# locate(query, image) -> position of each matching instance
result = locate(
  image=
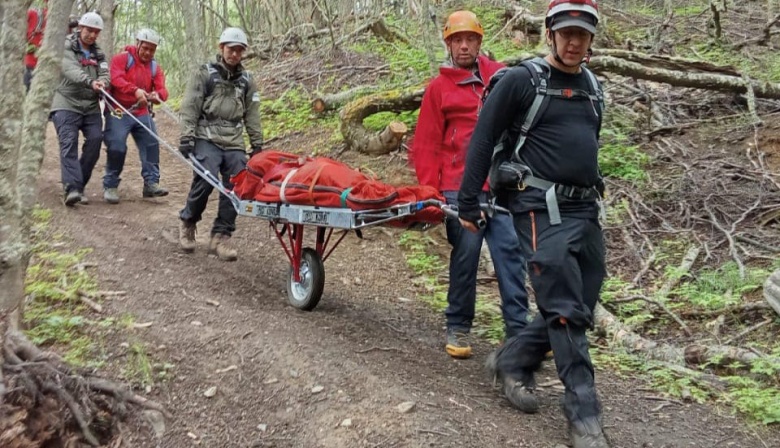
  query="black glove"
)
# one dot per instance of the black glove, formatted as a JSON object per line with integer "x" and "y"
{"x": 186, "y": 145}
{"x": 255, "y": 150}
{"x": 469, "y": 211}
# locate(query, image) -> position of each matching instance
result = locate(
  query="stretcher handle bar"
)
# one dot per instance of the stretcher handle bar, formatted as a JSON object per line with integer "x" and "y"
{"x": 489, "y": 209}
{"x": 192, "y": 162}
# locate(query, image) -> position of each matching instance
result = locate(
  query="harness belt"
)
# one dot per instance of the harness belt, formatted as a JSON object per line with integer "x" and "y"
{"x": 553, "y": 190}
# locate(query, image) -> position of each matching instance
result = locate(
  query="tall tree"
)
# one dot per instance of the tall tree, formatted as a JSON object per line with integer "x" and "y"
{"x": 22, "y": 134}
{"x": 106, "y": 10}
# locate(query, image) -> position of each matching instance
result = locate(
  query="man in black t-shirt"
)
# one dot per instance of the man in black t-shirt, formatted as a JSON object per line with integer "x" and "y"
{"x": 555, "y": 214}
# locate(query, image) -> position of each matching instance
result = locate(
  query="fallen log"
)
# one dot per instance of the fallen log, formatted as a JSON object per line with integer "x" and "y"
{"x": 695, "y": 74}
{"x": 334, "y": 101}
{"x": 359, "y": 138}
{"x": 693, "y": 354}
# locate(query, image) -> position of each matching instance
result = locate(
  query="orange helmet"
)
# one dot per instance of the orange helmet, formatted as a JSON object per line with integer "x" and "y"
{"x": 460, "y": 21}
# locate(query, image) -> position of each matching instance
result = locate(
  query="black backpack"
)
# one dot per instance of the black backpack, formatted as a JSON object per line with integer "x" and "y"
{"x": 540, "y": 77}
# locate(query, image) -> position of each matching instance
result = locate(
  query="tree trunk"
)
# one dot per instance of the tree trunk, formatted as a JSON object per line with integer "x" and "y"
{"x": 20, "y": 158}
{"x": 106, "y": 11}
{"x": 12, "y": 248}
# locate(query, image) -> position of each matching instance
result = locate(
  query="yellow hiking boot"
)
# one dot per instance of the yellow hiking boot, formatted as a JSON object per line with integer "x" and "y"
{"x": 458, "y": 344}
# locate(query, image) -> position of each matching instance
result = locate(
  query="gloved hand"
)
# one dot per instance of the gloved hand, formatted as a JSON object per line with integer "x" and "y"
{"x": 186, "y": 146}
{"x": 469, "y": 211}
{"x": 255, "y": 150}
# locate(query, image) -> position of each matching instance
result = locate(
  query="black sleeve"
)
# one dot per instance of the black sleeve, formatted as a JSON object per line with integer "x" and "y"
{"x": 505, "y": 104}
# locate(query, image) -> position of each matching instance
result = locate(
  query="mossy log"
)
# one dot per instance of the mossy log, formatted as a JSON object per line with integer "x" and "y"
{"x": 359, "y": 138}
{"x": 693, "y": 354}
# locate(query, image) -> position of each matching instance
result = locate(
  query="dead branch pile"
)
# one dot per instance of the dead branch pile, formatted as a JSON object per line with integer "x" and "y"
{"x": 47, "y": 402}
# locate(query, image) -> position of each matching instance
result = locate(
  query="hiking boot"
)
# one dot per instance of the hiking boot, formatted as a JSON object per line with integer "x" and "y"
{"x": 71, "y": 198}
{"x": 187, "y": 236}
{"x": 111, "y": 195}
{"x": 588, "y": 434}
{"x": 458, "y": 344}
{"x": 220, "y": 246}
{"x": 83, "y": 200}
{"x": 519, "y": 393}
{"x": 154, "y": 191}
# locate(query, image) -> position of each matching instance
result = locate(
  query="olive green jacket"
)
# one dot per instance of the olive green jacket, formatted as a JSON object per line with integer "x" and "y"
{"x": 218, "y": 104}
{"x": 79, "y": 70}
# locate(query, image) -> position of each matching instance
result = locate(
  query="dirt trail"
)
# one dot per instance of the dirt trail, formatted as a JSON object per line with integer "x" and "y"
{"x": 368, "y": 349}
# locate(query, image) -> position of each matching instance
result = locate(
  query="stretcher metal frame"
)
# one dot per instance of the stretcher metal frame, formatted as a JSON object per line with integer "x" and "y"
{"x": 307, "y": 272}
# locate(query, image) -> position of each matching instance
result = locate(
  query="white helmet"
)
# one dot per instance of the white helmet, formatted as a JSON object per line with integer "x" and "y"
{"x": 91, "y": 20}
{"x": 148, "y": 35}
{"x": 233, "y": 36}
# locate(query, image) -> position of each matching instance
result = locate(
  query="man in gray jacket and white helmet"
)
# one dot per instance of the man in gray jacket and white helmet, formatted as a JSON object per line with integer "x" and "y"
{"x": 76, "y": 106}
{"x": 220, "y": 101}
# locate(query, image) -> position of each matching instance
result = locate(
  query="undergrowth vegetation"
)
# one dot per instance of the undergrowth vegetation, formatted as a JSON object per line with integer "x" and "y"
{"x": 56, "y": 315}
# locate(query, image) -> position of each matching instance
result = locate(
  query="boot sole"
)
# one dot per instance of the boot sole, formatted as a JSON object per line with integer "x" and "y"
{"x": 155, "y": 195}
{"x": 187, "y": 250}
{"x": 458, "y": 352}
{"x": 527, "y": 405}
{"x": 71, "y": 202}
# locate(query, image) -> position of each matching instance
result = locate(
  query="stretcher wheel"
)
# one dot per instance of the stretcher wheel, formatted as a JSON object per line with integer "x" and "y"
{"x": 306, "y": 294}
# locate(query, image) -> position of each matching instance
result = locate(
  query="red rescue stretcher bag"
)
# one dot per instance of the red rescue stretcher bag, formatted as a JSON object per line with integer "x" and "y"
{"x": 274, "y": 176}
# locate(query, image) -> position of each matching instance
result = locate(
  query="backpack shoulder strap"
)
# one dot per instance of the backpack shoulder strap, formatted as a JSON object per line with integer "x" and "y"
{"x": 212, "y": 80}
{"x": 596, "y": 95}
{"x": 540, "y": 74}
{"x": 131, "y": 62}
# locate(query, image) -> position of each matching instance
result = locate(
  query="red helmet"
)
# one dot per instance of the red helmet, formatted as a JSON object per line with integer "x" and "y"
{"x": 582, "y": 13}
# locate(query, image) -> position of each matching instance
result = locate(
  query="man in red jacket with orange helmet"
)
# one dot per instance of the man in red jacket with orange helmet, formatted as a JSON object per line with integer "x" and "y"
{"x": 447, "y": 118}
{"x": 137, "y": 82}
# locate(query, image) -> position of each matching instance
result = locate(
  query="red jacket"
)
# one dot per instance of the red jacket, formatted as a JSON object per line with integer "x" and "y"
{"x": 36, "y": 23}
{"x": 447, "y": 118}
{"x": 124, "y": 81}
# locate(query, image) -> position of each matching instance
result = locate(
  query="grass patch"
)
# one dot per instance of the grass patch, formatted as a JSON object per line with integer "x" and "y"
{"x": 55, "y": 317}
{"x": 53, "y": 314}
{"x": 139, "y": 366}
{"x": 488, "y": 320}
{"x": 719, "y": 288}
{"x": 618, "y": 156}
{"x": 408, "y": 65}
{"x": 291, "y": 112}
{"x": 757, "y": 400}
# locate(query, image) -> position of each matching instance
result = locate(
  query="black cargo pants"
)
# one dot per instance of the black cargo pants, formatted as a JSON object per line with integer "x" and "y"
{"x": 217, "y": 161}
{"x": 566, "y": 266}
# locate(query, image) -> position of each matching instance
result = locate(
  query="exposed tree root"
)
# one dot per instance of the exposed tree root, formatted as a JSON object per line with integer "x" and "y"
{"x": 46, "y": 401}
